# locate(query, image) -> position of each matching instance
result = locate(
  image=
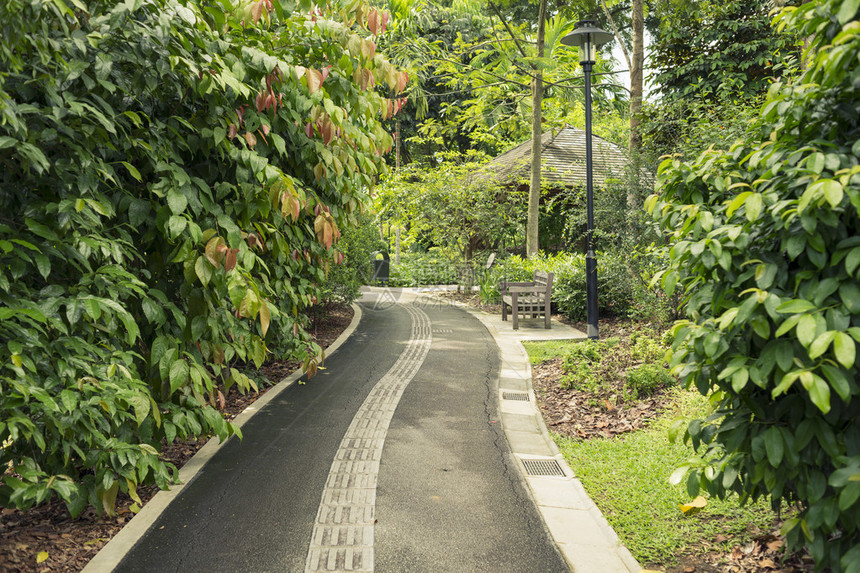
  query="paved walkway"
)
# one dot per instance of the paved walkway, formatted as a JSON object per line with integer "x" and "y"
{"x": 419, "y": 448}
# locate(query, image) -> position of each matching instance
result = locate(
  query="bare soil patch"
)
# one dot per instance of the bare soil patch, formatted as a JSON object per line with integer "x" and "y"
{"x": 25, "y": 537}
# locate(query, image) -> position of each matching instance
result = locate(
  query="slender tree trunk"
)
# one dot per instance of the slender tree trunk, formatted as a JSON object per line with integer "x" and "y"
{"x": 636, "y": 65}
{"x": 537, "y": 99}
{"x": 397, "y": 167}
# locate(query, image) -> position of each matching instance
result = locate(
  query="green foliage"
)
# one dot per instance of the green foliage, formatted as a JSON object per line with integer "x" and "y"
{"x": 645, "y": 379}
{"x": 449, "y": 206}
{"x": 706, "y": 47}
{"x": 765, "y": 245}
{"x": 628, "y": 479}
{"x": 174, "y": 179}
{"x": 345, "y": 278}
{"x": 422, "y": 269}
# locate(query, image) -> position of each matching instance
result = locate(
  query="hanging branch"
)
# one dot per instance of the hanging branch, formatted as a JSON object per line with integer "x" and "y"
{"x": 617, "y": 34}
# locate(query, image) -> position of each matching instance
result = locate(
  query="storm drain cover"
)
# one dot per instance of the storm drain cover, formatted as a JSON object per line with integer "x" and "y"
{"x": 544, "y": 467}
{"x": 515, "y": 396}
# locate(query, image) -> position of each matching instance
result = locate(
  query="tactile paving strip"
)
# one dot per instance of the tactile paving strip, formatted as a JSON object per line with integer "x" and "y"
{"x": 342, "y": 538}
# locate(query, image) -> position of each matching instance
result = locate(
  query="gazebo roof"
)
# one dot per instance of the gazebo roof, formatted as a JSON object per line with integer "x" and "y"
{"x": 562, "y": 158}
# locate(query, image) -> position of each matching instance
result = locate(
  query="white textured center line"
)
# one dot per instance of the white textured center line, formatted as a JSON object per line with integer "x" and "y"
{"x": 342, "y": 538}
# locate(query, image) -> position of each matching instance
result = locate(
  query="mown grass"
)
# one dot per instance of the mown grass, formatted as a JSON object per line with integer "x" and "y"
{"x": 628, "y": 479}
{"x": 543, "y": 350}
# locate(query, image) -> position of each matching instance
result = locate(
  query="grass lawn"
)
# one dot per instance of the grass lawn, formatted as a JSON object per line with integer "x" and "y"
{"x": 628, "y": 479}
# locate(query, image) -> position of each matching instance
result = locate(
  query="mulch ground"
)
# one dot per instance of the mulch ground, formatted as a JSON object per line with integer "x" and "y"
{"x": 47, "y": 533}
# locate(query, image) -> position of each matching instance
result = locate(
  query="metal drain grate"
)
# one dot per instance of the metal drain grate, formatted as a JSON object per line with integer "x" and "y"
{"x": 515, "y": 396}
{"x": 545, "y": 467}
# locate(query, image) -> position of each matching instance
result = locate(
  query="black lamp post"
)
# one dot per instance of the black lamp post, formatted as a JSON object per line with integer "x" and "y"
{"x": 587, "y": 38}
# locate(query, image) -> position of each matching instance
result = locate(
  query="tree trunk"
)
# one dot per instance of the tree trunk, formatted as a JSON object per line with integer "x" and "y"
{"x": 636, "y": 88}
{"x": 636, "y": 65}
{"x": 397, "y": 167}
{"x": 537, "y": 99}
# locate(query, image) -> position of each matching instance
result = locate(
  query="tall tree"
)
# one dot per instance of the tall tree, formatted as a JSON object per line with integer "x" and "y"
{"x": 537, "y": 131}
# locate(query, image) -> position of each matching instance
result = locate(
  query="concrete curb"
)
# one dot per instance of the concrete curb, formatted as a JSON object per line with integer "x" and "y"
{"x": 116, "y": 549}
{"x": 581, "y": 532}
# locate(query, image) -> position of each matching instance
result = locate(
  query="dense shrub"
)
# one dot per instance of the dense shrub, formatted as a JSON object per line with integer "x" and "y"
{"x": 766, "y": 248}
{"x": 174, "y": 177}
{"x": 343, "y": 281}
{"x": 422, "y": 269}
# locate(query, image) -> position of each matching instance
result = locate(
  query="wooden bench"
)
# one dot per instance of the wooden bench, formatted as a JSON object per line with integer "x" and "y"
{"x": 531, "y": 299}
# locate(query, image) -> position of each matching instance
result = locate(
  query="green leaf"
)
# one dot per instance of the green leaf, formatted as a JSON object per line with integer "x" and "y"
{"x": 7, "y": 142}
{"x": 773, "y": 446}
{"x": 141, "y": 408}
{"x": 177, "y": 202}
{"x": 847, "y": 11}
{"x": 838, "y": 381}
{"x": 175, "y": 225}
{"x": 138, "y": 211}
{"x": 132, "y": 170}
{"x": 819, "y": 393}
{"x": 43, "y": 264}
{"x": 204, "y": 270}
{"x": 109, "y": 499}
{"x": 821, "y": 343}
{"x": 179, "y": 373}
{"x": 795, "y": 306}
{"x": 844, "y": 349}
{"x": 806, "y": 328}
{"x": 753, "y": 206}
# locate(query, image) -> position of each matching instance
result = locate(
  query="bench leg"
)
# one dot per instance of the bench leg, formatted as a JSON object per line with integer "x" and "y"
{"x": 515, "y": 310}
{"x": 504, "y": 310}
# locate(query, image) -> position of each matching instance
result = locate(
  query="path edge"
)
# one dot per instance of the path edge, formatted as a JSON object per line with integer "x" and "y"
{"x": 120, "y": 544}
{"x": 580, "y": 557}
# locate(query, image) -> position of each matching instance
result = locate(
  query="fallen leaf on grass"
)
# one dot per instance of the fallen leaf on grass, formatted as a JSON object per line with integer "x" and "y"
{"x": 694, "y": 506}
{"x": 775, "y": 545}
{"x": 720, "y": 538}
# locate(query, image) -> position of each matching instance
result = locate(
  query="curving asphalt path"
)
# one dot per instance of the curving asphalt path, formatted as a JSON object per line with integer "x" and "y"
{"x": 392, "y": 459}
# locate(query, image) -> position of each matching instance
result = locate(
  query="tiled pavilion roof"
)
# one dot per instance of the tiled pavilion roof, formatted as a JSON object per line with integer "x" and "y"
{"x": 563, "y": 159}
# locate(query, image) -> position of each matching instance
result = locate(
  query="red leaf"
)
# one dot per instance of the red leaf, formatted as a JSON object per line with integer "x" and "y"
{"x": 257, "y": 11}
{"x": 385, "y": 17}
{"x": 222, "y": 401}
{"x": 260, "y": 101}
{"x": 251, "y": 139}
{"x": 324, "y": 73}
{"x": 230, "y": 260}
{"x": 373, "y": 21}
{"x": 309, "y": 129}
{"x": 327, "y": 131}
{"x": 232, "y": 130}
{"x": 314, "y": 80}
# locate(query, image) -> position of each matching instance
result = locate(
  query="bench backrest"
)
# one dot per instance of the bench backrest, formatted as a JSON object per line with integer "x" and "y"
{"x": 543, "y": 279}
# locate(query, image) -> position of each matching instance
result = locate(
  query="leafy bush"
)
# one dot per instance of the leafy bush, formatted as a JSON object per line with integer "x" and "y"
{"x": 766, "y": 248}
{"x": 173, "y": 185}
{"x": 422, "y": 269}
{"x": 356, "y": 244}
{"x": 645, "y": 379}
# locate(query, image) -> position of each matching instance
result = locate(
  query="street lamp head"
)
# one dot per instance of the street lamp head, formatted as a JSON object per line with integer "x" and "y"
{"x": 588, "y": 38}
